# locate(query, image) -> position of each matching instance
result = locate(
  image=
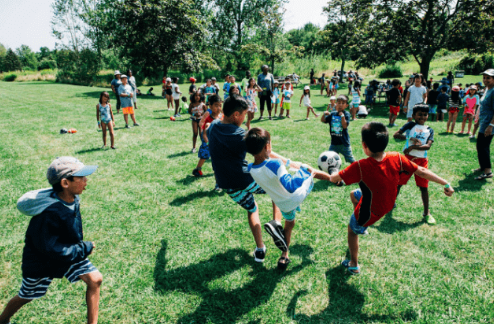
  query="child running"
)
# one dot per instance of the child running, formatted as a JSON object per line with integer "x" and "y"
{"x": 418, "y": 142}
{"x": 306, "y": 98}
{"x": 287, "y": 191}
{"x": 454, "y": 108}
{"x": 196, "y": 110}
{"x": 471, "y": 101}
{"x": 103, "y": 111}
{"x": 251, "y": 95}
{"x": 378, "y": 177}
{"x": 54, "y": 246}
{"x": 339, "y": 121}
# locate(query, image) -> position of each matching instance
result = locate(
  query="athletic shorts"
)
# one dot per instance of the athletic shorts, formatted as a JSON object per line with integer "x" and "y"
{"x": 354, "y": 225}
{"x": 34, "y": 288}
{"x": 290, "y": 216}
{"x": 432, "y": 109}
{"x": 287, "y": 105}
{"x": 128, "y": 110}
{"x": 453, "y": 110}
{"x": 355, "y": 104}
{"x": 245, "y": 197}
{"x": 419, "y": 181}
{"x": 395, "y": 110}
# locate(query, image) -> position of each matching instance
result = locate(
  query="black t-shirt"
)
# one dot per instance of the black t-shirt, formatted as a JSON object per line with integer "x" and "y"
{"x": 393, "y": 95}
{"x": 192, "y": 88}
{"x": 339, "y": 135}
{"x": 432, "y": 97}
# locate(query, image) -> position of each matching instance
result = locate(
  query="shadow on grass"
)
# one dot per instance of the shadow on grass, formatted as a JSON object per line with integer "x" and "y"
{"x": 96, "y": 94}
{"x": 470, "y": 184}
{"x": 89, "y": 150}
{"x": 389, "y": 225}
{"x": 184, "y": 153}
{"x": 321, "y": 185}
{"x": 217, "y": 304}
{"x": 345, "y": 304}
{"x": 190, "y": 179}
{"x": 196, "y": 195}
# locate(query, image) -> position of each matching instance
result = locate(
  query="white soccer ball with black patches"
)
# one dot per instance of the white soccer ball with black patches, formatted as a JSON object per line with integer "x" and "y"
{"x": 329, "y": 162}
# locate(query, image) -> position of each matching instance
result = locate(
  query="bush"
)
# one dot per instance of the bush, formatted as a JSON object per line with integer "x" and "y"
{"x": 10, "y": 77}
{"x": 476, "y": 64}
{"x": 390, "y": 71}
{"x": 47, "y": 64}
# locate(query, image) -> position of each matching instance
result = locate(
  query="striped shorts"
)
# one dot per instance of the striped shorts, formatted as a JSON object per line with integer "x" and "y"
{"x": 245, "y": 197}
{"x": 34, "y": 288}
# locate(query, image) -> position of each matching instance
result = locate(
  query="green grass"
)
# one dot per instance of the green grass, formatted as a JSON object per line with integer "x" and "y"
{"x": 172, "y": 250}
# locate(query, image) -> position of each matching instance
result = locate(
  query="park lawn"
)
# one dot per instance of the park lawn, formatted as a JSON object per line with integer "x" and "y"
{"x": 172, "y": 250}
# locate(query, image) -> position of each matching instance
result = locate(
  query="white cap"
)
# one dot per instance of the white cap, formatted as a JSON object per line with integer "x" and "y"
{"x": 168, "y": 79}
{"x": 306, "y": 88}
{"x": 332, "y": 98}
{"x": 123, "y": 76}
{"x": 117, "y": 72}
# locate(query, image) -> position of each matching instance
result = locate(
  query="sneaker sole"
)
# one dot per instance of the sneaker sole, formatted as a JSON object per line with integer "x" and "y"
{"x": 278, "y": 240}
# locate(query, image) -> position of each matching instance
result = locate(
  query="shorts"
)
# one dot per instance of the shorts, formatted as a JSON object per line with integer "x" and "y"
{"x": 354, "y": 225}
{"x": 395, "y": 110}
{"x": 453, "y": 110}
{"x": 346, "y": 151}
{"x": 128, "y": 110}
{"x": 468, "y": 111}
{"x": 369, "y": 99}
{"x": 34, "y": 288}
{"x": 287, "y": 105}
{"x": 106, "y": 121}
{"x": 203, "y": 149}
{"x": 245, "y": 197}
{"x": 419, "y": 181}
{"x": 432, "y": 109}
{"x": 290, "y": 216}
{"x": 355, "y": 104}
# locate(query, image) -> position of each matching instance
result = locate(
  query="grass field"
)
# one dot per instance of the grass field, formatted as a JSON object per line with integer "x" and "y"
{"x": 172, "y": 250}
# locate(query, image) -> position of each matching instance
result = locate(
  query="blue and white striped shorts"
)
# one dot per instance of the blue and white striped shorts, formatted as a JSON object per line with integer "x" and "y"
{"x": 34, "y": 288}
{"x": 245, "y": 197}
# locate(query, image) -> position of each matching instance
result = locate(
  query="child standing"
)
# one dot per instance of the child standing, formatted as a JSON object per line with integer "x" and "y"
{"x": 251, "y": 95}
{"x": 332, "y": 104}
{"x": 394, "y": 102}
{"x": 417, "y": 93}
{"x": 454, "y": 108}
{"x": 115, "y": 84}
{"x": 306, "y": 98}
{"x": 176, "y": 96}
{"x": 54, "y": 246}
{"x": 355, "y": 99}
{"x": 275, "y": 96}
{"x": 287, "y": 191}
{"x": 442, "y": 104}
{"x": 226, "y": 86}
{"x": 378, "y": 177}
{"x": 196, "y": 110}
{"x": 184, "y": 106}
{"x": 369, "y": 95}
{"x": 287, "y": 101}
{"x": 283, "y": 87}
{"x": 418, "y": 142}
{"x": 471, "y": 102}
{"x": 126, "y": 93}
{"x": 338, "y": 128}
{"x": 432, "y": 101}
{"x": 209, "y": 90}
{"x": 103, "y": 111}
{"x": 323, "y": 82}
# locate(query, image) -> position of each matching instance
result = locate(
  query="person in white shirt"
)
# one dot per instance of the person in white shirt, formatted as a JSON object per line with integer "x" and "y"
{"x": 416, "y": 94}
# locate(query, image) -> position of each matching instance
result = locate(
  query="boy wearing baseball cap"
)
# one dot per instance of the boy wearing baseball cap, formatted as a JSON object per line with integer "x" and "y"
{"x": 54, "y": 246}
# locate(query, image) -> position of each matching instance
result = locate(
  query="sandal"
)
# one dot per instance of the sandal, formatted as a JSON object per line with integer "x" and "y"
{"x": 351, "y": 270}
{"x": 484, "y": 176}
{"x": 283, "y": 265}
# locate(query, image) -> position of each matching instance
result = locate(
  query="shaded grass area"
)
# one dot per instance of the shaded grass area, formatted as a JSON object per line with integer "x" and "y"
{"x": 172, "y": 250}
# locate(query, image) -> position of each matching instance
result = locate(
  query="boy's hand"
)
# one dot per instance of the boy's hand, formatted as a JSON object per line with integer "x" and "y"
{"x": 99, "y": 125}
{"x": 449, "y": 191}
{"x": 326, "y": 113}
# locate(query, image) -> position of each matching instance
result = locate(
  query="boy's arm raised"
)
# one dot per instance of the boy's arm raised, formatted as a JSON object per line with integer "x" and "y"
{"x": 431, "y": 176}
{"x": 424, "y": 147}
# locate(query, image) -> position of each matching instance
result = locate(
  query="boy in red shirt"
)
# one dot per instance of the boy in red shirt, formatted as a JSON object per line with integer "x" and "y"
{"x": 378, "y": 177}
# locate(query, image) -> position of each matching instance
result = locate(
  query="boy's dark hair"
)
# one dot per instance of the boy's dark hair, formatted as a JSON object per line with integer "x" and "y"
{"x": 234, "y": 103}
{"x": 101, "y": 97}
{"x": 343, "y": 97}
{"x": 356, "y": 85}
{"x": 395, "y": 82}
{"x": 174, "y": 79}
{"x": 230, "y": 92}
{"x": 214, "y": 99}
{"x": 435, "y": 86}
{"x": 256, "y": 139}
{"x": 443, "y": 89}
{"x": 193, "y": 96}
{"x": 417, "y": 76}
{"x": 184, "y": 99}
{"x": 151, "y": 88}
{"x": 455, "y": 95}
{"x": 375, "y": 135}
{"x": 420, "y": 107}
{"x": 227, "y": 76}
{"x": 57, "y": 187}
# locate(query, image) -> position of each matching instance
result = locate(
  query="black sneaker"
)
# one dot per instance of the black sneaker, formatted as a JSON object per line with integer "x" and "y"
{"x": 127, "y": 126}
{"x": 276, "y": 231}
{"x": 260, "y": 254}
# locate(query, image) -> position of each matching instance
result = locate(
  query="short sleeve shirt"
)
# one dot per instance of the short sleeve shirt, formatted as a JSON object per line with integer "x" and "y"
{"x": 265, "y": 81}
{"x": 442, "y": 100}
{"x": 432, "y": 97}
{"x": 393, "y": 96}
{"x": 378, "y": 182}
{"x": 486, "y": 109}
{"x": 116, "y": 84}
{"x": 125, "y": 101}
{"x": 339, "y": 135}
{"x": 416, "y": 95}
{"x": 421, "y": 132}
{"x": 192, "y": 88}
{"x": 286, "y": 94}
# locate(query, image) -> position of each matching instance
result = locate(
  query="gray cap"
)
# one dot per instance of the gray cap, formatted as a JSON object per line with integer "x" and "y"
{"x": 123, "y": 76}
{"x": 67, "y": 166}
{"x": 489, "y": 72}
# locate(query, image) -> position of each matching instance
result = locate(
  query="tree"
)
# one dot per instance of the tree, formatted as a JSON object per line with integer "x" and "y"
{"x": 27, "y": 57}
{"x": 3, "y": 52}
{"x": 160, "y": 34}
{"x": 11, "y": 61}
{"x": 308, "y": 37}
{"x": 392, "y": 30}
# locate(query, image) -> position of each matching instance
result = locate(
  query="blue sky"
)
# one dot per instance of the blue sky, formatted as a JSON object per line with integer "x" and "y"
{"x": 28, "y": 21}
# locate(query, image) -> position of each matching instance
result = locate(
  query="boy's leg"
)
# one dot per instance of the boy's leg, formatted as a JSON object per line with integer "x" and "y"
{"x": 425, "y": 200}
{"x": 93, "y": 281}
{"x": 289, "y": 225}
{"x": 353, "y": 247}
{"x": 347, "y": 153}
{"x": 12, "y": 307}
{"x": 133, "y": 118}
{"x": 255, "y": 227}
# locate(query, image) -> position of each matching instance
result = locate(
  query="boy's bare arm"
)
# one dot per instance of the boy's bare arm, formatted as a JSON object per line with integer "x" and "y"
{"x": 295, "y": 165}
{"x": 344, "y": 123}
{"x": 323, "y": 117}
{"x": 335, "y": 177}
{"x": 431, "y": 176}
{"x": 424, "y": 147}
{"x": 399, "y": 135}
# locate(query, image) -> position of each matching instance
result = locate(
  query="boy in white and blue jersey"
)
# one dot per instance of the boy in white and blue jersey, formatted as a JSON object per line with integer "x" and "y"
{"x": 286, "y": 190}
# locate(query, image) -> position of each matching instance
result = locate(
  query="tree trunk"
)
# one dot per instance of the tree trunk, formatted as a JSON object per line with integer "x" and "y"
{"x": 424, "y": 67}
{"x": 342, "y": 66}
{"x": 165, "y": 70}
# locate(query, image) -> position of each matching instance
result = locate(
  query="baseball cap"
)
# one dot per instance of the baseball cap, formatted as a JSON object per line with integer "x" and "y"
{"x": 123, "y": 76}
{"x": 168, "y": 79}
{"x": 473, "y": 87}
{"x": 213, "y": 79}
{"x": 455, "y": 88}
{"x": 276, "y": 82}
{"x": 67, "y": 166}
{"x": 117, "y": 72}
{"x": 306, "y": 88}
{"x": 489, "y": 72}
{"x": 192, "y": 79}
{"x": 332, "y": 98}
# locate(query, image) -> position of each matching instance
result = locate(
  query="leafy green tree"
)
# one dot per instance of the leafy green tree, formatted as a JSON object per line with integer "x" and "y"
{"x": 3, "y": 52}
{"x": 27, "y": 57}
{"x": 308, "y": 37}
{"x": 11, "y": 61}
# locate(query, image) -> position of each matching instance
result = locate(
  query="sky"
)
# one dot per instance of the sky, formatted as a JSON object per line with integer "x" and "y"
{"x": 27, "y": 22}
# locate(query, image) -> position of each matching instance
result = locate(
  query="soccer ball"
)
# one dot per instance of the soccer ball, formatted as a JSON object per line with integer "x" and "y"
{"x": 329, "y": 161}
{"x": 172, "y": 118}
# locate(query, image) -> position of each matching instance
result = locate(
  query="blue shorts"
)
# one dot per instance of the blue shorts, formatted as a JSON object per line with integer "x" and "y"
{"x": 245, "y": 197}
{"x": 354, "y": 226}
{"x": 432, "y": 109}
{"x": 355, "y": 104}
{"x": 203, "y": 149}
{"x": 34, "y": 288}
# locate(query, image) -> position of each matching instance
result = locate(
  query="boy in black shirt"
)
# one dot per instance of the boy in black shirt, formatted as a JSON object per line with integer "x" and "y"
{"x": 394, "y": 101}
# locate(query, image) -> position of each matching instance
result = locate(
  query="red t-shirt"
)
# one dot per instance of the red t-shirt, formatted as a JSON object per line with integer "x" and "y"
{"x": 379, "y": 184}
{"x": 209, "y": 119}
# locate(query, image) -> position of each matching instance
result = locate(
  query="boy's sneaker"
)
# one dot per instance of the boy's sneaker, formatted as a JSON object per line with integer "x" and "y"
{"x": 217, "y": 188}
{"x": 197, "y": 173}
{"x": 194, "y": 150}
{"x": 260, "y": 254}
{"x": 127, "y": 126}
{"x": 276, "y": 231}
{"x": 136, "y": 124}
{"x": 429, "y": 219}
